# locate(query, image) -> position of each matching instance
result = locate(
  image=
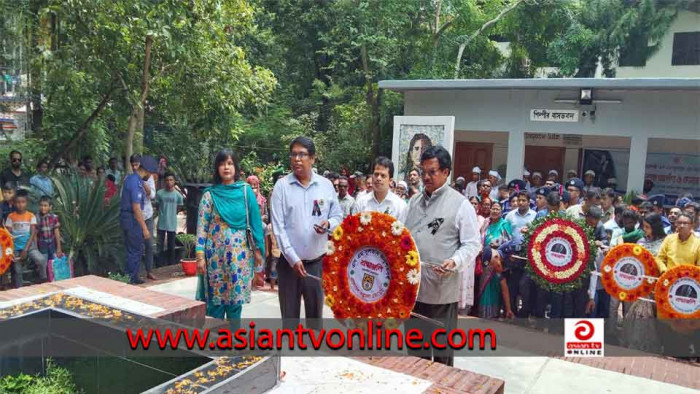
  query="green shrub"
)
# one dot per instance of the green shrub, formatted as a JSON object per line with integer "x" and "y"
{"x": 57, "y": 380}
{"x": 188, "y": 241}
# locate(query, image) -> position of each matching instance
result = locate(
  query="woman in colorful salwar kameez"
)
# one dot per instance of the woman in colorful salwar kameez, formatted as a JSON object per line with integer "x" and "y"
{"x": 225, "y": 261}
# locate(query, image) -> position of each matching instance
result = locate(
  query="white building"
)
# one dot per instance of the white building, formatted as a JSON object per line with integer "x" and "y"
{"x": 645, "y": 127}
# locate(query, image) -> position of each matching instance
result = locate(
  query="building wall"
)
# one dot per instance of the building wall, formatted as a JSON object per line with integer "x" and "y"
{"x": 503, "y": 117}
{"x": 659, "y": 64}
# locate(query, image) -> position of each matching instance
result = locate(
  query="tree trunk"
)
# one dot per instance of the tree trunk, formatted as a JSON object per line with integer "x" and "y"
{"x": 138, "y": 107}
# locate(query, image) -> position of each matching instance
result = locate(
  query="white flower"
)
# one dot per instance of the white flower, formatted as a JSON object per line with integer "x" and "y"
{"x": 330, "y": 248}
{"x": 397, "y": 228}
{"x": 8, "y": 251}
{"x": 607, "y": 268}
{"x": 365, "y": 218}
{"x": 413, "y": 277}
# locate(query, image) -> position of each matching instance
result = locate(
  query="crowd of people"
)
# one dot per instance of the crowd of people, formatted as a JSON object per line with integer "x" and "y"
{"x": 469, "y": 235}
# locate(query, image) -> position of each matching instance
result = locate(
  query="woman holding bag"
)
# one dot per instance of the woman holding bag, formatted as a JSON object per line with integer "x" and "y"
{"x": 230, "y": 242}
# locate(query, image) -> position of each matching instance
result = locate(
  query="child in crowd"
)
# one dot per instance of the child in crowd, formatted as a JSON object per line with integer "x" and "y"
{"x": 169, "y": 202}
{"x": 22, "y": 225}
{"x": 273, "y": 254}
{"x": 49, "y": 233}
{"x": 8, "y": 196}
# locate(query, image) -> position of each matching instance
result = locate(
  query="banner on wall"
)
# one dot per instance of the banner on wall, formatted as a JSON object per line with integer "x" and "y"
{"x": 413, "y": 135}
{"x": 674, "y": 174}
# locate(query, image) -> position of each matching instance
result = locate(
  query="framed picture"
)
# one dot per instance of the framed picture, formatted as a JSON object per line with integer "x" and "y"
{"x": 413, "y": 135}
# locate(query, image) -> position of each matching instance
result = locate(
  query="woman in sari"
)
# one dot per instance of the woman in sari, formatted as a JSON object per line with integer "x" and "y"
{"x": 225, "y": 258}
{"x": 497, "y": 232}
{"x": 639, "y": 326}
{"x": 482, "y": 224}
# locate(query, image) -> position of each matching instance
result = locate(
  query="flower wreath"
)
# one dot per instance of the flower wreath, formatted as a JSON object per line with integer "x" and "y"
{"x": 611, "y": 267}
{"x": 383, "y": 233}
{"x": 668, "y": 284}
{"x": 571, "y": 275}
{"x": 7, "y": 250}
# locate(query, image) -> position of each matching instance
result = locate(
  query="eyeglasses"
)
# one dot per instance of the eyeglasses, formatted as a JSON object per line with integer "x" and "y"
{"x": 298, "y": 155}
{"x": 430, "y": 173}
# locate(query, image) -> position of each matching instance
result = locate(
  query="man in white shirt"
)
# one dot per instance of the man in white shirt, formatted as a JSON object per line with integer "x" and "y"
{"x": 347, "y": 203}
{"x": 471, "y": 190}
{"x": 495, "y": 179}
{"x": 304, "y": 208}
{"x": 381, "y": 199}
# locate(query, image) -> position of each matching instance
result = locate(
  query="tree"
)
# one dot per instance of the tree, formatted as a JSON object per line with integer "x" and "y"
{"x": 602, "y": 30}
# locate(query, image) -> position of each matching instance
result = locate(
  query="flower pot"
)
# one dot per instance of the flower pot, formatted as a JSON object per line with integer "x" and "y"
{"x": 189, "y": 266}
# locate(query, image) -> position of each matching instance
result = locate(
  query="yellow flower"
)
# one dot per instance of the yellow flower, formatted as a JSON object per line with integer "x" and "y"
{"x": 637, "y": 250}
{"x": 622, "y": 296}
{"x": 330, "y": 300}
{"x": 338, "y": 233}
{"x": 412, "y": 258}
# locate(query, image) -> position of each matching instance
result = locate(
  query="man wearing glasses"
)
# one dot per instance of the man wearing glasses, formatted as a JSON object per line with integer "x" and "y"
{"x": 444, "y": 227}
{"x": 681, "y": 247}
{"x": 14, "y": 173}
{"x": 304, "y": 208}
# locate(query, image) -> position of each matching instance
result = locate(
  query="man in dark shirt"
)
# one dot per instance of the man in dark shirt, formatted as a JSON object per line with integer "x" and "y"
{"x": 14, "y": 173}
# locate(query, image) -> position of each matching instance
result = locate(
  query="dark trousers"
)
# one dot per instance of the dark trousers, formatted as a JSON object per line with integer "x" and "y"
{"x": 169, "y": 258}
{"x": 534, "y": 298}
{"x": 148, "y": 246}
{"x": 292, "y": 288}
{"x": 133, "y": 239}
{"x": 513, "y": 282}
{"x": 602, "y": 304}
{"x": 445, "y": 313}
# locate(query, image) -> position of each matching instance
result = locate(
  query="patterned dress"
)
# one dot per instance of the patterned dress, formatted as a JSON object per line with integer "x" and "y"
{"x": 229, "y": 261}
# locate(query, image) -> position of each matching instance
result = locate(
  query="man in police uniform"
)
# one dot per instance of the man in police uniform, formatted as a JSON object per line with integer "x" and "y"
{"x": 131, "y": 218}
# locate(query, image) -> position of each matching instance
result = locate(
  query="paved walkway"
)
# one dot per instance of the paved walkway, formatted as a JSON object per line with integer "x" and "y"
{"x": 522, "y": 374}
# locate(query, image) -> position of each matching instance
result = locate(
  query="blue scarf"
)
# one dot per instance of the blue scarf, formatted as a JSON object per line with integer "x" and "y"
{"x": 229, "y": 203}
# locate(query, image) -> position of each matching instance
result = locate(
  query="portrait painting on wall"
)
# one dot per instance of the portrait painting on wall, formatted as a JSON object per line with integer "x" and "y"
{"x": 413, "y": 135}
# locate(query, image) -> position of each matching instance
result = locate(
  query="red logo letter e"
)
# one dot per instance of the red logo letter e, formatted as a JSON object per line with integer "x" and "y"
{"x": 585, "y": 331}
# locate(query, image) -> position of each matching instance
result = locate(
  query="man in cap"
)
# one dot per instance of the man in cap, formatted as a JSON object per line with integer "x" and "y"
{"x": 541, "y": 199}
{"x": 131, "y": 217}
{"x": 460, "y": 184}
{"x": 495, "y": 179}
{"x": 536, "y": 180}
{"x": 471, "y": 190}
{"x": 571, "y": 174}
{"x": 588, "y": 178}
{"x": 444, "y": 226}
{"x": 612, "y": 183}
{"x": 575, "y": 188}
{"x": 657, "y": 204}
{"x": 553, "y": 175}
{"x": 648, "y": 186}
{"x": 553, "y": 200}
{"x": 526, "y": 178}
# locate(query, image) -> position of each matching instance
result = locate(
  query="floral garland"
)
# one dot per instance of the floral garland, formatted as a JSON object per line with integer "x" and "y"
{"x": 609, "y": 269}
{"x": 6, "y": 250}
{"x": 665, "y": 286}
{"x": 387, "y": 235}
{"x": 578, "y": 234}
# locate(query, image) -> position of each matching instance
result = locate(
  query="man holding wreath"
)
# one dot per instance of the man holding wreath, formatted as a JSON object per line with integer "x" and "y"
{"x": 444, "y": 227}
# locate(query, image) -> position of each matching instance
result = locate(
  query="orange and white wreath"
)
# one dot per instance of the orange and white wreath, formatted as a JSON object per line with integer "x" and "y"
{"x": 627, "y": 270}
{"x": 7, "y": 250}
{"x": 371, "y": 268}
{"x": 678, "y": 293}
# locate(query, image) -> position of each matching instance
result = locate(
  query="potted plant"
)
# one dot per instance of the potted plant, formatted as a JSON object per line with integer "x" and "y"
{"x": 189, "y": 263}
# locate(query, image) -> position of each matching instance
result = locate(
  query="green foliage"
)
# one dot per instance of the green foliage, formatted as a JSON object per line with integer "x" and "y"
{"x": 119, "y": 277}
{"x": 590, "y": 264}
{"x": 89, "y": 226}
{"x": 188, "y": 241}
{"x": 57, "y": 380}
